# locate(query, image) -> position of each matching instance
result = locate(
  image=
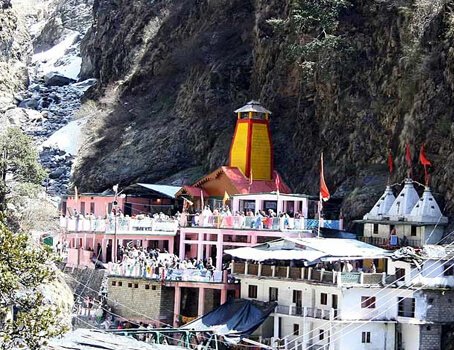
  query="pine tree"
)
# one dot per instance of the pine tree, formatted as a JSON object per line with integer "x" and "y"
{"x": 18, "y": 162}
{"x": 27, "y": 318}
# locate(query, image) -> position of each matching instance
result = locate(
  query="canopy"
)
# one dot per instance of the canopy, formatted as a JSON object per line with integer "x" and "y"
{"x": 236, "y": 319}
{"x": 249, "y": 253}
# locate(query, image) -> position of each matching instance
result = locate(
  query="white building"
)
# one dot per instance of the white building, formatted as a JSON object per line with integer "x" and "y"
{"x": 321, "y": 308}
{"x": 404, "y": 220}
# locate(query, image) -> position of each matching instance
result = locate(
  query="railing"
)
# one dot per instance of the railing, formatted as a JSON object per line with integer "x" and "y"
{"x": 165, "y": 274}
{"x": 310, "y": 274}
{"x": 304, "y": 311}
{"x": 121, "y": 225}
{"x": 255, "y": 222}
{"x": 388, "y": 243}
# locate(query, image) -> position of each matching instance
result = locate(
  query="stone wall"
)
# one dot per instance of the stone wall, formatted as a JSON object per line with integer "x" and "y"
{"x": 440, "y": 306}
{"x": 140, "y": 299}
{"x": 430, "y": 337}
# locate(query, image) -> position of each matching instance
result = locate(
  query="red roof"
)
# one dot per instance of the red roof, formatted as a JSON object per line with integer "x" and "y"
{"x": 193, "y": 191}
{"x": 241, "y": 182}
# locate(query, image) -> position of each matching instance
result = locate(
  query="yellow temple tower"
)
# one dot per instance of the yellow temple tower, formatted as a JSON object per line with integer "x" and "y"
{"x": 251, "y": 149}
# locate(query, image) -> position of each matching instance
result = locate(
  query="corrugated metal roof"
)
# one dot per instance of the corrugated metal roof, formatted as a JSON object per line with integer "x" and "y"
{"x": 167, "y": 190}
{"x": 88, "y": 339}
{"x": 253, "y": 106}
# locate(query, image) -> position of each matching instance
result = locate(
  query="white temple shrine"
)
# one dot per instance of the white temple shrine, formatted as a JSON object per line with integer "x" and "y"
{"x": 404, "y": 220}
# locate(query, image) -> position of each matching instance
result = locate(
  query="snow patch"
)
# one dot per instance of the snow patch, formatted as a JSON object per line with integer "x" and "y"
{"x": 62, "y": 58}
{"x": 69, "y": 138}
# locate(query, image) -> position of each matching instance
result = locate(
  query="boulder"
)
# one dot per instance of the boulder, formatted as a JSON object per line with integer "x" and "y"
{"x": 56, "y": 79}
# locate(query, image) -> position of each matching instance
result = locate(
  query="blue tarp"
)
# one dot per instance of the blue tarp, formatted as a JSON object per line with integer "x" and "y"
{"x": 234, "y": 320}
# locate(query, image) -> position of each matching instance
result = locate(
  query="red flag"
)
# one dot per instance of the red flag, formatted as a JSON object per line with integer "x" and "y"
{"x": 324, "y": 192}
{"x": 390, "y": 162}
{"x": 425, "y": 162}
{"x": 408, "y": 155}
{"x": 423, "y": 159}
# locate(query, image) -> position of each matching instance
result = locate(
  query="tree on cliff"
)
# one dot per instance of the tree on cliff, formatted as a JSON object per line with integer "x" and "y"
{"x": 27, "y": 317}
{"x": 18, "y": 163}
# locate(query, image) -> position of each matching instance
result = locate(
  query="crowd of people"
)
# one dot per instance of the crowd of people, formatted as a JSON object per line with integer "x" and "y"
{"x": 156, "y": 264}
{"x": 222, "y": 216}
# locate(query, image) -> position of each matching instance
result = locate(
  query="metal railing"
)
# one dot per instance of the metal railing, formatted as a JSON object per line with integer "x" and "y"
{"x": 166, "y": 274}
{"x": 123, "y": 225}
{"x": 304, "y": 311}
{"x": 255, "y": 222}
{"x": 391, "y": 243}
{"x": 310, "y": 274}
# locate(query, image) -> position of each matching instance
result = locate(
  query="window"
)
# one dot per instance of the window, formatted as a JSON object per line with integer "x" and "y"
{"x": 136, "y": 285}
{"x": 296, "y": 329}
{"x": 368, "y": 302}
{"x": 82, "y": 208}
{"x": 153, "y": 287}
{"x": 413, "y": 231}
{"x": 129, "y": 285}
{"x": 114, "y": 283}
{"x": 92, "y": 207}
{"x": 120, "y": 284}
{"x": 365, "y": 337}
{"x": 323, "y": 298}
{"x": 448, "y": 270}
{"x": 273, "y": 294}
{"x": 147, "y": 286}
{"x": 400, "y": 273}
{"x": 321, "y": 334}
{"x": 375, "y": 229}
{"x": 406, "y": 307}
{"x": 252, "y": 292}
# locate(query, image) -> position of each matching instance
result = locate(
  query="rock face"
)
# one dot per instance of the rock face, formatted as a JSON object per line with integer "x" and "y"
{"x": 15, "y": 51}
{"x": 175, "y": 70}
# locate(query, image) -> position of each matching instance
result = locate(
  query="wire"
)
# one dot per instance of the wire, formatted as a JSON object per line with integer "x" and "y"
{"x": 368, "y": 321}
{"x": 368, "y": 299}
{"x": 374, "y": 295}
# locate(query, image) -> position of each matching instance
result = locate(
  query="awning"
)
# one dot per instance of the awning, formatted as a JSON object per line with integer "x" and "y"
{"x": 166, "y": 190}
{"x": 234, "y": 320}
{"x": 249, "y": 253}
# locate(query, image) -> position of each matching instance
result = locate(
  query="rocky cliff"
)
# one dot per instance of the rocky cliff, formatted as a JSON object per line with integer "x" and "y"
{"x": 172, "y": 72}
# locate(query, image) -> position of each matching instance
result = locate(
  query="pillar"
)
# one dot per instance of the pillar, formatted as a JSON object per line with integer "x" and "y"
{"x": 201, "y": 309}
{"x": 207, "y": 251}
{"x": 171, "y": 245}
{"x": 104, "y": 249}
{"x": 223, "y": 296}
{"x": 177, "y": 306}
{"x": 219, "y": 251}
{"x": 181, "y": 251}
{"x": 276, "y": 326}
{"x": 200, "y": 246}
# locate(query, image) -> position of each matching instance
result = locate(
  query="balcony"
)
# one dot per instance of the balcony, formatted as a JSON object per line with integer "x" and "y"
{"x": 385, "y": 243}
{"x": 308, "y": 274}
{"x": 256, "y": 223}
{"x": 304, "y": 311}
{"x": 167, "y": 274}
{"x": 120, "y": 225}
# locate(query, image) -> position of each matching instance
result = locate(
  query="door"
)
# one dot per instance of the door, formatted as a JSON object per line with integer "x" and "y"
{"x": 298, "y": 301}
{"x": 334, "y": 303}
{"x": 128, "y": 209}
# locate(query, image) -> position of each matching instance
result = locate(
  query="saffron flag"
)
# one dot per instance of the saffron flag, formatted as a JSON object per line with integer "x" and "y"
{"x": 226, "y": 197}
{"x": 422, "y": 157}
{"x": 324, "y": 192}
{"x": 408, "y": 155}
{"x": 390, "y": 162}
{"x": 426, "y": 163}
{"x": 277, "y": 181}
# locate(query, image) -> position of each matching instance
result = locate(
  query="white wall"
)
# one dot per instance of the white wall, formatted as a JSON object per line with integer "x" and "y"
{"x": 410, "y": 336}
{"x": 349, "y": 336}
